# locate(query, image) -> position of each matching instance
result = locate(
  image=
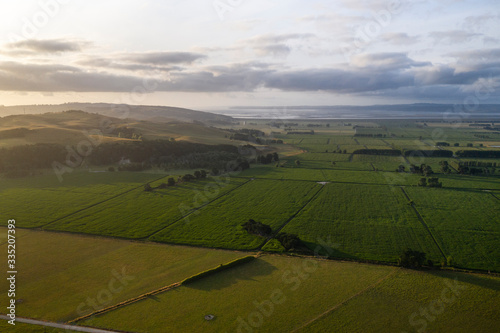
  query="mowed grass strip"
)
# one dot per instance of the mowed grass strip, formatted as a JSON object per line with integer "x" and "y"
{"x": 452, "y": 302}
{"x": 218, "y": 224}
{"x": 63, "y": 276}
{"x": 139, "y": 213}
{"x": 364, "y": 222}
{"x": 297, "y": 289}
{"x": 36, "y": 201}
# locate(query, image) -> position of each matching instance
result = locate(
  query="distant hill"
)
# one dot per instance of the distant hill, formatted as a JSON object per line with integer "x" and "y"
{"x": 123, "y": 111}
{"x": 73, "y": 126}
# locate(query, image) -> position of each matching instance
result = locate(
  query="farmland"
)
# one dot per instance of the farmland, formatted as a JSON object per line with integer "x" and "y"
{"x": 311, "y": 296}
{"x": 50, "y": 261}
{"x": 354, "y": 207}
{"x": 358, "y": 229}
{"x": 218, "y": 224}
{"x": 142, "y": 213}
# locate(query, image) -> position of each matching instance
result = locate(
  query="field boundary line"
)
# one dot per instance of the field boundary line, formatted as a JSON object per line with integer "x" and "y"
{"x": 143, "y": 296}
{"x": 359, "y": 293}
{"x": 424, "y": 224}
{"x": 198, "y": 208}
{"x": 98, "y": 203}
{"x": 39, "y": 322}
{"x": 127, "y": 302}
{"x": 291, "y": 218}
{"x": 494, "y": 196}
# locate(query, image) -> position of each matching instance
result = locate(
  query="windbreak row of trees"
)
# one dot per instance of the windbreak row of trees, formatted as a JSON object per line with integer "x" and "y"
{"x": 139, "y": 155}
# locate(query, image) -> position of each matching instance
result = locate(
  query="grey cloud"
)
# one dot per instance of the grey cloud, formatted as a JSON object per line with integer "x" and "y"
{"x": 385, "y": 61}
{"x": 372, "y": 74}
{"x": 477, "y": 22}
{"x": 111, "y": 64}
{"x": 453, "y": 36}
{"x": 162, "y": 58}
{"x": 276, "y": 44}
{"x": 400, "y": 38}
{"x": 46, "y": 46}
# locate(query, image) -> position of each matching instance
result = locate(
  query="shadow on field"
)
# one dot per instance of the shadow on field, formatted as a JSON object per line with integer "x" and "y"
{"x": 220, "y": 280}
{"x": 484, "y": 282}
{"x": 327, "y": 250}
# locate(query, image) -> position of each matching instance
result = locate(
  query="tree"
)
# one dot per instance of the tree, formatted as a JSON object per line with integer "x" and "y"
{"x": 215, "y": 171}
{"x": 401, "y": 168}
{"x": 162, "y": 185}
{"x": 257, "y": 228}
{"x": 171, "y": 181}
{"x": 111, "y": 169}
{"x": 426, "y": 170}
{"x": 434, "y": 182}
{"x": 276, "y": 157}
{"x": 445, "y": 168}
{"x": 203, "y": 174}
{"x": 297, "y": 162}
{"x": 187, "y": 177}
{"x": 148, "y": 188}
{"x": 197, "y": 174}
{"x": 289, "y": 241}
{"x": 422, "y": 182}
{"x": 412, "y": 259}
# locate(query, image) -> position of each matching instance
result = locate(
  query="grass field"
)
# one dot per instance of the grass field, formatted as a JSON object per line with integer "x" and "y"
{"x": 283, "y": 294}
{"x": 59, "y": 272}
{"x": 138, "y": 214}
{"x": 36, "y": 201}
{"x": 466, "y": 223}
{"x": 219, "y": 224}
{"x": 365, "y": 221}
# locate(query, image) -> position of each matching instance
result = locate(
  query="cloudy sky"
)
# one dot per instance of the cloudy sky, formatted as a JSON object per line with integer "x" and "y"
{"x": 218, "y": 53}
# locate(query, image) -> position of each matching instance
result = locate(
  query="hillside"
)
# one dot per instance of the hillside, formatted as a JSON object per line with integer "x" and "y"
{"x": 123, "y": 111}
{"x": 70, "y": 127}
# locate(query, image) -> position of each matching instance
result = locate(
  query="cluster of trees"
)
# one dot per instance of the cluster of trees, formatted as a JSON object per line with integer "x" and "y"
{"x": 428, "y": 153}
{"x": 412, "y": 259}
{"x": 478, "y": 153}
{"x": 199, "y": 174}
{"x": 127, "y": 132}
{"x": 442, "y": 144}
{"x": 301, "y": 132}
{"x": 269, "y": 158}
{"x": 465, "y": 170}
{"x": 383, "y": 152}
{"x": 289, "y": 241}
{"x": 257, "y": 228}
{"x": 141, "y": 154}
{"x": 379, "y": 135}
{"x": 477, "y": 164}
{"x": 423, "y": 169}
{"x": 445, "y": 167}
{"x": 430, "y": 182}
{"x": 24, "y": 159}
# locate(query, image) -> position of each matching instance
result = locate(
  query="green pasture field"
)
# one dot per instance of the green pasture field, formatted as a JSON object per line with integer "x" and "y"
{"x": 283, "y": 294}
{"x": 219, "y": 224}
{"x": 138, "y": 214}
{"x": 38, "y": 200}
{"x": 231, "y": 296}
{"x": 385, "y": 163}
{"x": 58, "y": 272}
{"x": 454, "y": 302}
{"x": 465, "y": 223}
{"x": 364, "y": 221}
